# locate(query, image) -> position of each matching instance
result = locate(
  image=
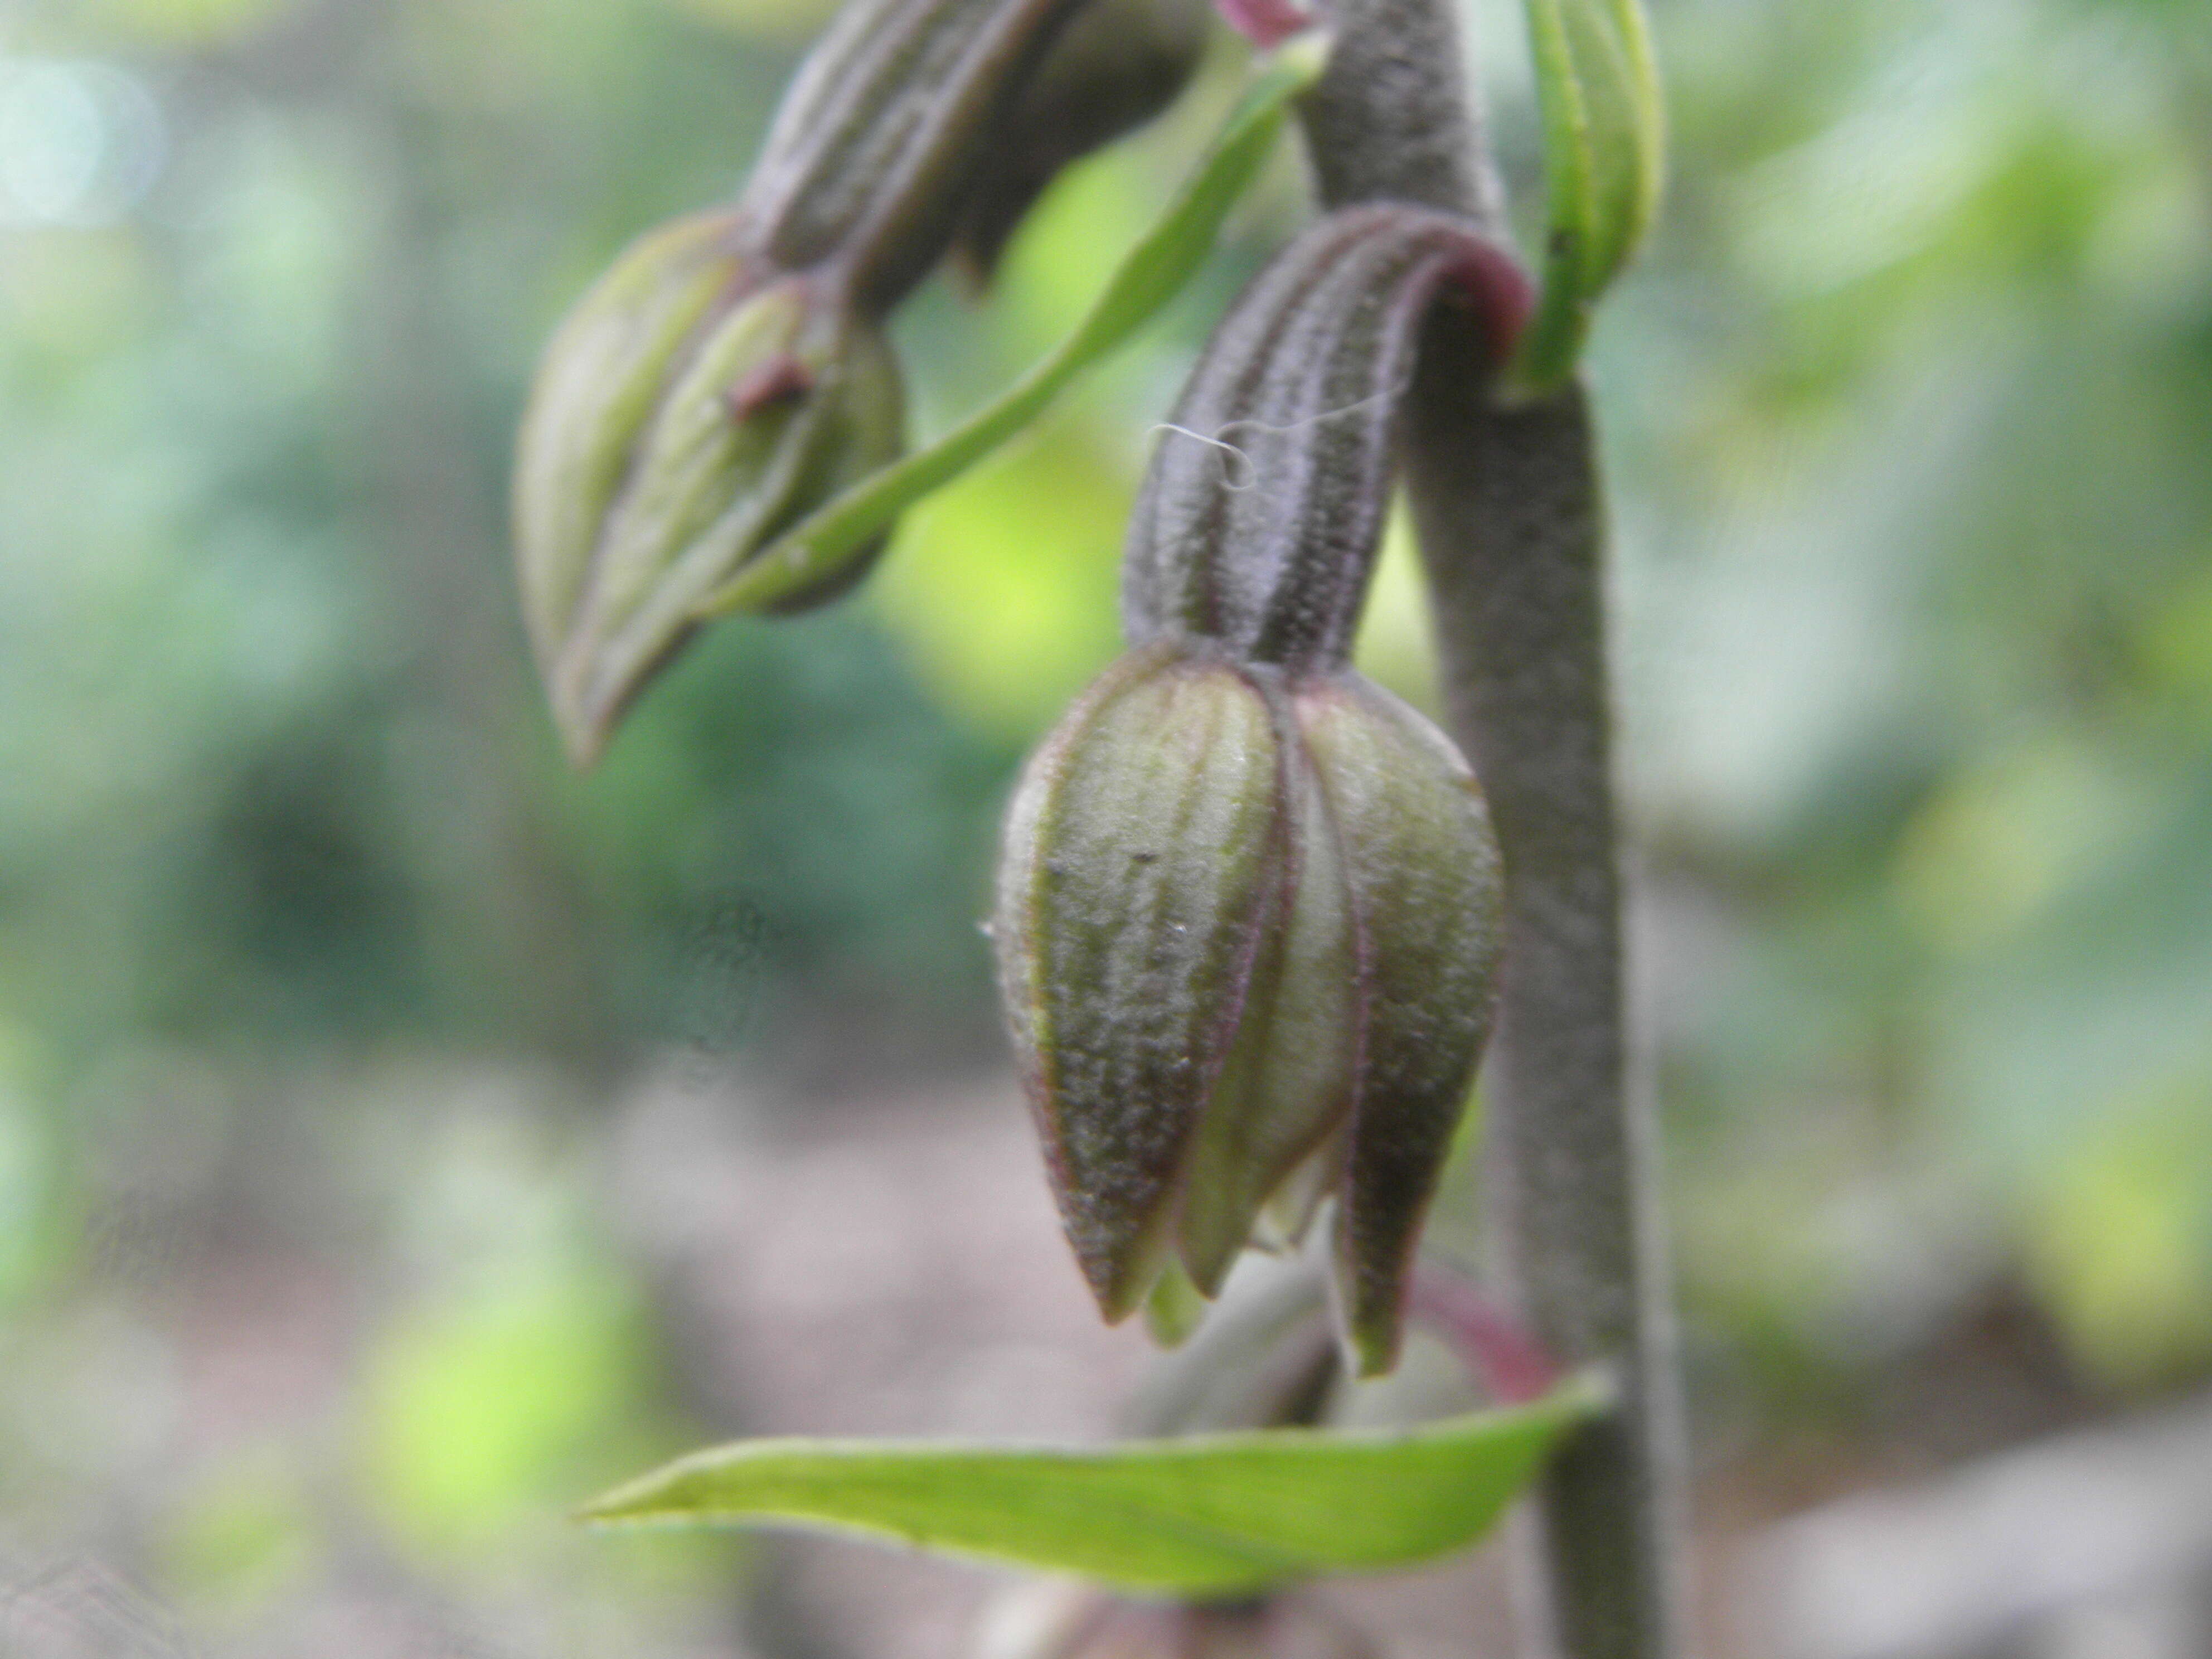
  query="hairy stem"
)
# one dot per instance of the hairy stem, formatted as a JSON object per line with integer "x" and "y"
{"x": 1512, "y": 532}
{"x": 1391, "y": 119}
{"x": 1511, "y": 529}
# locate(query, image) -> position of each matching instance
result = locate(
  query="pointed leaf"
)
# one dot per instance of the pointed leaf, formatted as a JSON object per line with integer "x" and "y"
{"x": 1207, "y": 1515}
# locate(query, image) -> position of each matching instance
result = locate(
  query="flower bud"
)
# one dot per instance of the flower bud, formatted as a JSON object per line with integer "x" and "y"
{"x": 1117, "y": 64}
{"x": 730, "y": 375}
{"x": 1248, "y": 925}
{"x": 1251, "y": 907}
{"x": 695, "y": 404}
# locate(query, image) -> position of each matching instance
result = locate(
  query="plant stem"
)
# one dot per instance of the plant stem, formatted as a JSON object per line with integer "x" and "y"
{"x": 1512, "y": 532}
{"x": 1511, "y": 526}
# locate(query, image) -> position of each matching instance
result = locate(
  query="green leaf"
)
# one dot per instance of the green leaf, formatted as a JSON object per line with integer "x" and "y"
{"x": 1153, "y": 273}
{"x": 1604, "y": 144}
{"x": 1207, "y": 1516}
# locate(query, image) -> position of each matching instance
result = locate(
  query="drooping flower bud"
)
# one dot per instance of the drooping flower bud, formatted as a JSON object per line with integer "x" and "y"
{"x": 1249, "y": 907}
{"x": 696, "y": 403}
{"x": 1117, "y": 64}
{"x": 1247, "y": 924}
{"x": 730, "y": 375}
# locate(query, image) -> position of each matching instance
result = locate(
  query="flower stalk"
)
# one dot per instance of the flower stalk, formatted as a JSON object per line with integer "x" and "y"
{"x": 730, "y": 376}
{"x": 1507, "y": 507}
{"x": 873, "y": 154}
{"x": 1252, "y": 910}
{"x": 1247, "y": 908}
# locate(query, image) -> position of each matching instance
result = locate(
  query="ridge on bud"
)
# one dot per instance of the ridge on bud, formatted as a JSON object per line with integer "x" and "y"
{"x": 1248, "y": 924}
{"x": 730, "y": 375}
{"x": 697, "y": 402}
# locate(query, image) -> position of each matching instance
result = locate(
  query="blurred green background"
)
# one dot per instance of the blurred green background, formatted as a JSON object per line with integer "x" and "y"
{"x": 321, "y": 979}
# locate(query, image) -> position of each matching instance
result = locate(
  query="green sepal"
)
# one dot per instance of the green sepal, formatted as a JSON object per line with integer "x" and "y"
{"x": 1143, "y": 858}
{"x": 1425, "y": 888}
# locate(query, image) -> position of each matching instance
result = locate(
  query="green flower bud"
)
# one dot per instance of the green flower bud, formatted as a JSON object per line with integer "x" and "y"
{"x": 695, "y": 405}
{"x": 1247, "y": 925}
{"x": 1250, "y": 907}
{"x": 729, "y": 375}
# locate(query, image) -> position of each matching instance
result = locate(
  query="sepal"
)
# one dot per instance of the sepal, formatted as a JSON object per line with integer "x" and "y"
{"x": 693, "y": 406}
{"x": 1248, "y": 930}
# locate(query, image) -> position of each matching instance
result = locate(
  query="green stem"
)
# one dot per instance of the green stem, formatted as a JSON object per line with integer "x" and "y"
{"x": 1511, "y": 529}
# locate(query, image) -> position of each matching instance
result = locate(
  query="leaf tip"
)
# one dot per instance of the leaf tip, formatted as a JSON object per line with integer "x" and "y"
{"x": 1305, "y": 56}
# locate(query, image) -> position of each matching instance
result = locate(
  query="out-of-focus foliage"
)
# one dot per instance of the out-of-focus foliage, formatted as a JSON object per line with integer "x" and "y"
{"x": 1907, "y": 403}
{"x": 1913, "y": 400}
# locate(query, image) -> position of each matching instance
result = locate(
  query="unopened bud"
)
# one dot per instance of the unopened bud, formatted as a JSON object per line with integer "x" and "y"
{"x": 1250, "y": 906}
{"x": 695, "y": 404}
{"x": 730, "y": 375}
{"x": 1247, "y": 925}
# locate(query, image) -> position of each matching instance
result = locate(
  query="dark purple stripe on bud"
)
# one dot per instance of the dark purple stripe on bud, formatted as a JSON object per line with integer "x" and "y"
{"x": 1264, "y": 507}
{"x": 874, "y": 151}
{"x": 1117, "y": 64}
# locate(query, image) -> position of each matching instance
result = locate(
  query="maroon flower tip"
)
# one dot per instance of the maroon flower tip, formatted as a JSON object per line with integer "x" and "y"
{"x": 1493, "y": 283}
{"x": 1264, "y": 22}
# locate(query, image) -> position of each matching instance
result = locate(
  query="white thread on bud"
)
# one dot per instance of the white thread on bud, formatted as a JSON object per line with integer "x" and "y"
{"x": 1218, "y": 439}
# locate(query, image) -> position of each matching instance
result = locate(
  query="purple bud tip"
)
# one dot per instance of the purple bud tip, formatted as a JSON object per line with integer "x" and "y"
{"x": 778, "y": 380}
{"x": 1264, "y": 22}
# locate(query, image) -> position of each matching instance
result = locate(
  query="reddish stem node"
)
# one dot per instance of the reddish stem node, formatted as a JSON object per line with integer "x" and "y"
{"x": 1264, "y": 22}
{"x": 1493, "y": 1345}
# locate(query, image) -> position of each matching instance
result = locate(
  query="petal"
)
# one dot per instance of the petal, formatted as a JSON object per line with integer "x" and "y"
{"x": 596, "y": 389}
{"x": 1422, "y": 868}
{"x": 1287, "y": 1081}
{"x": 1289, "y": 1212}
{"x": 1143, "y": 846}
